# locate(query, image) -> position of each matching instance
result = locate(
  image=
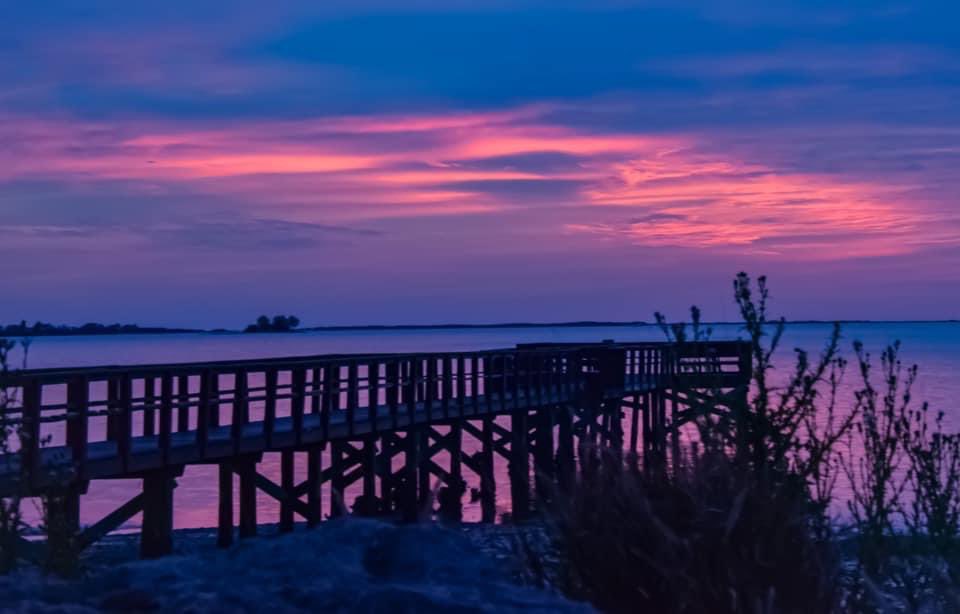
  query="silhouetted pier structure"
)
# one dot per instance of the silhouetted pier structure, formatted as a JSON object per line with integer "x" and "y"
{"x": 393, "y": 423}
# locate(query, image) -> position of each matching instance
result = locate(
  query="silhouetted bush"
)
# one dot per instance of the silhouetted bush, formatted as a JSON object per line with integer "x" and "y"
{"x": 708, "y": 540}
{"x": 749, "y": 524}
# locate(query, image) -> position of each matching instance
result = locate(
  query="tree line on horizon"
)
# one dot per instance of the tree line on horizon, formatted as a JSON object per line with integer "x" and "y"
{"x": 39, "y": 329}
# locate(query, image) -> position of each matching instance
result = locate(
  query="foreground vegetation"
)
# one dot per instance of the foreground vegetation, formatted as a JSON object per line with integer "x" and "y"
{"x": 750, "y": 521}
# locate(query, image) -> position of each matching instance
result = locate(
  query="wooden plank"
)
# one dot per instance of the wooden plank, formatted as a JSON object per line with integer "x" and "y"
{"x": 277, "y": 493}
{"x": 111, "y": 521}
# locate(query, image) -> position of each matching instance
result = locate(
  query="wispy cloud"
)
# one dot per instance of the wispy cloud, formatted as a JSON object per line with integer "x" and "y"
{"x": 682, "y": 192}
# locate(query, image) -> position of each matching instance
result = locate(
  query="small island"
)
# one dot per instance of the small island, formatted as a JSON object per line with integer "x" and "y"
{"x": 279, "y": 324}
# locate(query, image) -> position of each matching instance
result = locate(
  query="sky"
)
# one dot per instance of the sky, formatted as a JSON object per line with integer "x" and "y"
{"x": 197, "y": 163}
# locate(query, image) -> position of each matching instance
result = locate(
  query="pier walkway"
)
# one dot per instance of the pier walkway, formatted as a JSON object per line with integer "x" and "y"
{"x": 393, "y": 424}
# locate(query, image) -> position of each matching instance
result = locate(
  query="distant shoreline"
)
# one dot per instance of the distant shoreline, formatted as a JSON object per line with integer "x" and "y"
{"x": 12, "y": 332}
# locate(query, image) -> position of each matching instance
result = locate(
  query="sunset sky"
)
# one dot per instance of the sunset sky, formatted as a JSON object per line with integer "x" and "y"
{"x": 198, "y": 163}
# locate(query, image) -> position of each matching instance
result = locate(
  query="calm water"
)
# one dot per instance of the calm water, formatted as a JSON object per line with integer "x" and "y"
{"x": 935, "y": 347}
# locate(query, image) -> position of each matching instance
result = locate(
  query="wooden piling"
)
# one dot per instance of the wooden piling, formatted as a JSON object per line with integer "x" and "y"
{"x": 286, "y": 483}
{"x": 156, "y": 534}
{"x": 519, "y": 468}
{"x": 314, "y": 482}
{"x": 543, "y": 465}
{"x": 409, "y": 503}
{"x": 247, "y": 469}
{"x": 566, "y": 462}
{"x": 225, "y": 508}
{"x": 488, "y": 484}
{"x": 338, "y": 484}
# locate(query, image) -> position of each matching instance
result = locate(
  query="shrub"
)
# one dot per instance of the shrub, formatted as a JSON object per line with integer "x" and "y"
{"x": 746, "y": 526}
{"x": 709, "y": 540}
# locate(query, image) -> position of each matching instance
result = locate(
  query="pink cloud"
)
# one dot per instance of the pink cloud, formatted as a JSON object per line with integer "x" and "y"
{"x": 667, "y": 189}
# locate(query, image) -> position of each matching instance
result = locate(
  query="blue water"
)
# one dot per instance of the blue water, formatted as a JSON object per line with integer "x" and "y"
{"x": 935, "y": 347}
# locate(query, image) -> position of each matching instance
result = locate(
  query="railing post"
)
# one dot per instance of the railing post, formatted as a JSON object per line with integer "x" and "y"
{"x": 446, "y": 386}
{"x": 431, "y": 387}
{"x": 270, "y": 404}
{"x": 149, "y": 400}
{"x": 204, "y": 413}
{"x": 461, "y": 384}
{"x": 166, "y": 417}
{"x": 353, "y": 395}
{"x": 31, "y": 404}
{"x": 183, "y": 403}
{"x": 124, "y": 419}
{"x": 241, "y": 408}
{"x": 78, "y": 398}
{"x": 393, "y": 390}
{"x": 298, "y": 385}
{"x": 373, "y": 394}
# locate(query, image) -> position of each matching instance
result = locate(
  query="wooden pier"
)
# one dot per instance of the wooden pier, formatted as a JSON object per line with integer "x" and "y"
{"x": 394, "y": 425}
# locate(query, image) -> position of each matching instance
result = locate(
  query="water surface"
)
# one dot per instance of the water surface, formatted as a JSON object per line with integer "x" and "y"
{"x": 934, "y": 346}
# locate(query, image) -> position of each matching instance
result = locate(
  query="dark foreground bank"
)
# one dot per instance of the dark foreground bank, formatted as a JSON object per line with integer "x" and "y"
{"x": 349, "y": 565}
